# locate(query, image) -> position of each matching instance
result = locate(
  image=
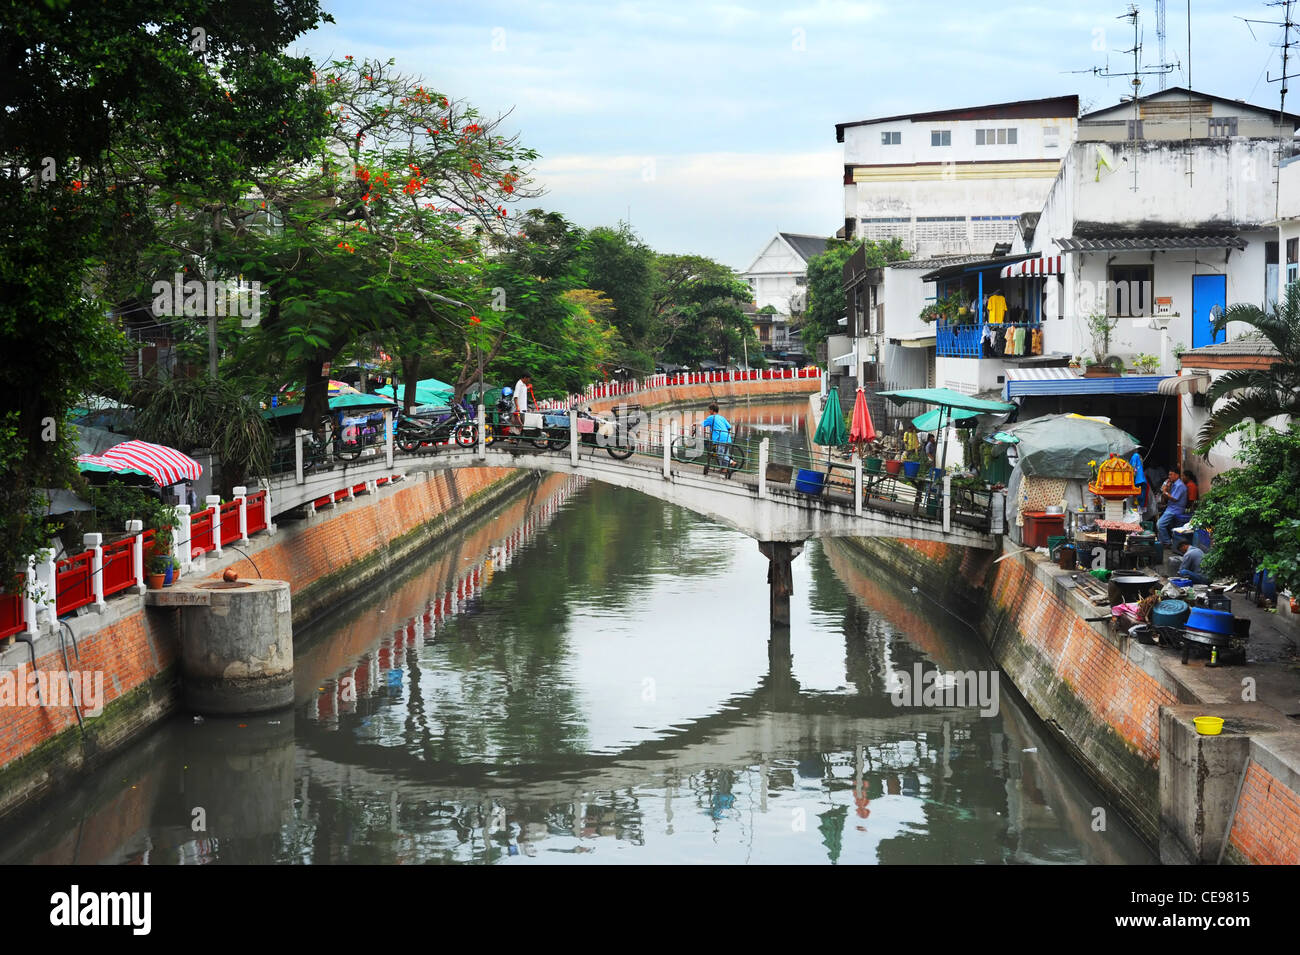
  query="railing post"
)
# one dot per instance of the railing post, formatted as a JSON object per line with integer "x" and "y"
{"x": 857, "y": 484}
{"x": 482, "y": 432}
{"x": 47, "y": 583}
{"x": 762, "y": 467}
{"x": 95, "y": 544}
{"x": 947, "y": 503}
{"x": 573, "y": 437}
{"x": 666, "y": 435}
{"x": 183, "y": 538}
{"x": 388, "y": 436}
{"x": 29, "y": 602}
{"x": 214, "y": 501}
{"x": 136, "y": 529}
{"x": 298, "y": 434}
{"x": 241, "y": 495}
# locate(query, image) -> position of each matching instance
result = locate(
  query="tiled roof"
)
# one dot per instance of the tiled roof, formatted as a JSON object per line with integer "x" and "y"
{"x": 1246, "y": 345}
{"x": 935, "y": 262}
{"x": 806, "y": 245}
{"x": 1143, "y": 243}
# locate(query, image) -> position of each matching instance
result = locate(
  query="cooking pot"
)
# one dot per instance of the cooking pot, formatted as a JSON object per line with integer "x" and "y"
{"x": 1135, "y": 587}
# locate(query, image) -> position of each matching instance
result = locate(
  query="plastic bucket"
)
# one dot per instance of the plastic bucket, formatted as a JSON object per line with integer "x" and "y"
{"x": 809, "y": 482}
{"x": 1067, "y": 557}
{"x": 893, "y": 467}
{"x": 1210, "y": 621}
{"x": 911, "y": 468}
{"x": 1208, "y": 725}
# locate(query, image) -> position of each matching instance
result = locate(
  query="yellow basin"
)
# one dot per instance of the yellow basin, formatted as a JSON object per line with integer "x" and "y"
{"x": 1208, "y": 725}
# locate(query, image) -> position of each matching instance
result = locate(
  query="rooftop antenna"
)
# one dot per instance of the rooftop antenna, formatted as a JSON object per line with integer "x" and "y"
{"x": 1160, "y": 36}
{"x": 1135, "y": 81}
{"x": 1287, "y": 24}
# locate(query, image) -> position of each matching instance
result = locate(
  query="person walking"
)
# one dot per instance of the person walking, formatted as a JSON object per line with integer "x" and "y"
{"x": 1175, "y": 492}
{"x": 717, "y": 435}
{"x": 519, "y": 400}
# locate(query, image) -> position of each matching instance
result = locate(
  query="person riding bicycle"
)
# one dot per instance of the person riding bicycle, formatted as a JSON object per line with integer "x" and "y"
{"x": 717, "y": 431}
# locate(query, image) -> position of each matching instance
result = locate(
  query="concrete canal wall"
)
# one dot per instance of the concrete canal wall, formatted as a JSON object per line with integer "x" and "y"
{"x": 1102, "y": 694}
{"x": 129, "y": 654}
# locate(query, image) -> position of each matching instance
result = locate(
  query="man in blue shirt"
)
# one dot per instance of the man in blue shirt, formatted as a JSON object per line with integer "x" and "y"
{"x": 717, "y": 431}
{"x": 1191, "y": 563}
{"x": 1175, "y": 491}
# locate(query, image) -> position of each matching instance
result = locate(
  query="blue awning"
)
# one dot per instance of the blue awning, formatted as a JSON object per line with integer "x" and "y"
{"x": 1023, "y": 382}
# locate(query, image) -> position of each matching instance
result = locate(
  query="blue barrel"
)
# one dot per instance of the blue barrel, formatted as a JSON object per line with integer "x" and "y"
{"x": 812, "y": 482}
{"x": 1211, "y": 621}
{"x": 1170, "y": 613}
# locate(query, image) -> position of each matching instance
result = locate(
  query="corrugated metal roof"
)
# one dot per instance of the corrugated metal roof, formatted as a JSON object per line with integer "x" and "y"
{"x": 1146, "y": 243}
{"x": 1072, "y": 385}
{"x": 934, "y": 261}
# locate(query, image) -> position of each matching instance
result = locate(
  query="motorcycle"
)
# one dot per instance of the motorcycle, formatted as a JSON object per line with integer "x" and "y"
{"x": 413, "y": 433}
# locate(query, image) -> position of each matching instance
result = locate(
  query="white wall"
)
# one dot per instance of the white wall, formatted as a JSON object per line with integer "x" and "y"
{"x": 774, "y": 275}
{"x": 862, "y": 145}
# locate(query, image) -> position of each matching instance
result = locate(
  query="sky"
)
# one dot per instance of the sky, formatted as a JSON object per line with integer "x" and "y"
{"x": 711, "y": 126}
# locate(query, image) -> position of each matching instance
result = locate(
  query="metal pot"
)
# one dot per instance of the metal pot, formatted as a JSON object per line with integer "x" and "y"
{"x": 1134, "y": 587}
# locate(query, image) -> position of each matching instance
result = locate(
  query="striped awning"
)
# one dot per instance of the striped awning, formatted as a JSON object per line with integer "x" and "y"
{"x": 1022, "y": 382}
{"x": 165, "y": 465}
{"x": 1046, "y": 265}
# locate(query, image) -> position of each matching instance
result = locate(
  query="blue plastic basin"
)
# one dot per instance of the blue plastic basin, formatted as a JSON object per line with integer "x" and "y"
{"x": 1211, "y": 621}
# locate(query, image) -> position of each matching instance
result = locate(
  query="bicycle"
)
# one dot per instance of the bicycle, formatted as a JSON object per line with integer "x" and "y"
{"x": 726, "y": 456}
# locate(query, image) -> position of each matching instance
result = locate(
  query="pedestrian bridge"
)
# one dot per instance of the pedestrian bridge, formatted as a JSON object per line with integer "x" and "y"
{"x": 858, "y": 505}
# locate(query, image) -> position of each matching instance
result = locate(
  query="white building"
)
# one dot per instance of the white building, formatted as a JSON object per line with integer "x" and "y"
{"x": 778, "y": 277}
{"x": 953, "y": 181}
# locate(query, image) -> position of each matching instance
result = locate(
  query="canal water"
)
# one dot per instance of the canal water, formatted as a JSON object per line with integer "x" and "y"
{"x": 587, "y": 676}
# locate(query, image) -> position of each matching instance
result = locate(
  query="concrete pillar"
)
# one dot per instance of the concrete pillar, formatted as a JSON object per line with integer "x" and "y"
{"x": 779, "y": 578}
{"x": 857, "y": 484}
{"x": 482, "y": 430}
{"x": 241, "y": 495}
{"x": 666, "y": 430}
{"x": 947, "y": 503}
{"x": 763, "y": 447}
{"x": 214, "y": 501}
{"x": 181, "y": 535}
{"x": 236, "y": 645}
{"x": 388, "y": 436}
{"x": 136, "y": 528}
{"x": 573, "y": 437}
{"x": 95, "y": 544}
{"x": 30, "y": 604}
{"x": 298, "y": 434}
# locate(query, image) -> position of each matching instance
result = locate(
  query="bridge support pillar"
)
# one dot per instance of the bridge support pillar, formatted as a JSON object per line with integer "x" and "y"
{"x": 780, "y": 580}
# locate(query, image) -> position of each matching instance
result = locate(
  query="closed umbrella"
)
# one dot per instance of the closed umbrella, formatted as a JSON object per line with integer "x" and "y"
{"x": 830, "y": 429}
{"x": 862, "y": 430}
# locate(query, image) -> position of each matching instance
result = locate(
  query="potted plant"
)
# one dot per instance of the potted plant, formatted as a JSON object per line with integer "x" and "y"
{"x": 911, "y": 464}
{"x": 893, "y": 465}
{"x": 158, "y": 567}
{"x": 1146, "y": 364}
{"x": 164, "y": 521}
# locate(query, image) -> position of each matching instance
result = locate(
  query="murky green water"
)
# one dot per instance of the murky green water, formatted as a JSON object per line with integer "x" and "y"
{"x": 588, "y": 677}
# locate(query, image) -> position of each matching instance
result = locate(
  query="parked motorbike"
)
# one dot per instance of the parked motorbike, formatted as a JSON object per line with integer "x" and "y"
{"x": 413, "y": 433}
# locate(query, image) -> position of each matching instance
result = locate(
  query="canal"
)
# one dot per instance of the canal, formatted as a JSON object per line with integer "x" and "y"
{"x": 587, "y": 676}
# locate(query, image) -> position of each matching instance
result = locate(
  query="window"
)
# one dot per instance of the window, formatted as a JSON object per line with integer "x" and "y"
{"x": 1292, "y": 250}
{"x": 1223, "y": 127}
{"x": 891, "y": 139}
{"x": 801, "y": 280}
{"x": 1005, "y": 136}
{"x": 1051, "y": 137}
{"x": 1128, "y": 292}
{"x": 941, "y": 137}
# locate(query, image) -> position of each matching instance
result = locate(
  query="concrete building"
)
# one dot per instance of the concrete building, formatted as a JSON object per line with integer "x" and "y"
{"x": 953, "y": 181}
{"x": 778, "y": 277}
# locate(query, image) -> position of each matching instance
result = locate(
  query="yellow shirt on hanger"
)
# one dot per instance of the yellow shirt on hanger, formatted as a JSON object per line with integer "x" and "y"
{"x": 997, "y": 309}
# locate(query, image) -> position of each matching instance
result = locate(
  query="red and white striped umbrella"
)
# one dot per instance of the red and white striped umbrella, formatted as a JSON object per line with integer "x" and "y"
{"x": 165, "y": 465}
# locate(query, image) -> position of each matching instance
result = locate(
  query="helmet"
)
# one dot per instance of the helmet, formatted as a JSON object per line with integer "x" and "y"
{"x": 506, "y": 392}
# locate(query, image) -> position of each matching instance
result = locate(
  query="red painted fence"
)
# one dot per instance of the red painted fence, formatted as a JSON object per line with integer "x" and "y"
{"x": 73, "y": 585}
{"x": 12, "y": 607}
{"x": 229, "y": 522}
{"x": 257, "y": 512}
{"x": 201, "y": 532}
{"x": 119, "y": 566}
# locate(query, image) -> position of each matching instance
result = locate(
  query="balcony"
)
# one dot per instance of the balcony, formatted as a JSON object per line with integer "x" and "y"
{"x": 964, "y": 341}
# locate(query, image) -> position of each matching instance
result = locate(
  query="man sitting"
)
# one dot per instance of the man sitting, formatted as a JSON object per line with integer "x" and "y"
{"x": 1190, "y": 567}
{"x": 1175, "y": 492}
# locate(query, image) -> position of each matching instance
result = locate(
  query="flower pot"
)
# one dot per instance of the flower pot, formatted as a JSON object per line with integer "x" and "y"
{"x": 156, "y": 581}
{"x": 873, "y": 465}
{"x": 893, "y": 467}
{"x": 911, "y": 468}
{"x": 1100, "y": 371}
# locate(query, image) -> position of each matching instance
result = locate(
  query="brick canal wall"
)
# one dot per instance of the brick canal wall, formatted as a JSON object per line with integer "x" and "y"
{"x": 136, "y": 649}
{"x": 1100, "y": 693}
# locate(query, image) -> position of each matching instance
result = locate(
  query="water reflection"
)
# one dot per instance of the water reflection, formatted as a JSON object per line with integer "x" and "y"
{"x": 588, "y": 676}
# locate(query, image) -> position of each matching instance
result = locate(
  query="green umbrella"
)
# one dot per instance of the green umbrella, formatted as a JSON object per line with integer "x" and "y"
{"x": 929, "y": 420}
{"x": 830, "y": 429}
{"x": 344, "y": 402}
{"x": 428, "y": 391}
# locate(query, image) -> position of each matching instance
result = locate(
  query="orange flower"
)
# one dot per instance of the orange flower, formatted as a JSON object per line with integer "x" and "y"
{"x": 475, "y": 319}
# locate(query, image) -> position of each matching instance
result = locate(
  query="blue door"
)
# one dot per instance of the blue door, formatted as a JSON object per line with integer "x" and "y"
{"x": 1209, "y": 297}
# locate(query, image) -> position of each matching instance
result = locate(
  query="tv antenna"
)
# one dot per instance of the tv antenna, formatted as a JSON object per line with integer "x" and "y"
{"x": 1135, "y": 75}
{"x": 1287, "y": 24}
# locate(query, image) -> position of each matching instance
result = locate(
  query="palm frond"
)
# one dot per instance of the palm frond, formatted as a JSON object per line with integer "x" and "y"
{"x": 1256, "y": 406}
{"x": 1240, "y": 379}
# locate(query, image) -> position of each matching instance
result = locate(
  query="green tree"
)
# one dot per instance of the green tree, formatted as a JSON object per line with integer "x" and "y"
{"x": 617, "y": 263}
{"x": 1246, "y": 507}
{"x": 91, "y": 137}
{"x": 1257, "y": 394}
{"x": 697, "y": 309}
{"x": 826, "y": 304}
